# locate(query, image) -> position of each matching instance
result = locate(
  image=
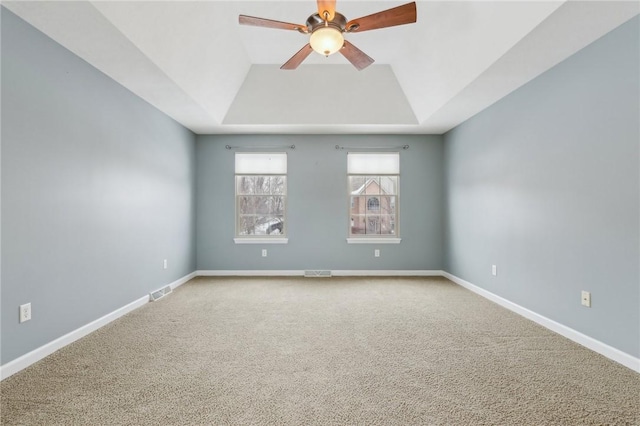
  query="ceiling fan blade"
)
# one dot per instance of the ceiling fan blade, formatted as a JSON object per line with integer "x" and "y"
{"x": 405, "y": 14}
{"x": 327, "y": 6}
{"x": 297, "y": 59}
{"x": 357, "y": 57}
{"x": 268, "y": 23}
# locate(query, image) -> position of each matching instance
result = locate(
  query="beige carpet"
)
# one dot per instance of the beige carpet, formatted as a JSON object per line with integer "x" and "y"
{"x": 373, "y": 351}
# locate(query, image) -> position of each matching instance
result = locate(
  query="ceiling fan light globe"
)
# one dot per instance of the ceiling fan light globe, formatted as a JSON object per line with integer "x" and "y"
{"x": 326, "y": 40}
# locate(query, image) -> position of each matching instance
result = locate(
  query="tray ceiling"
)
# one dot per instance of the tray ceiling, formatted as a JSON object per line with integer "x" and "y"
{"x": 193, "y": 61}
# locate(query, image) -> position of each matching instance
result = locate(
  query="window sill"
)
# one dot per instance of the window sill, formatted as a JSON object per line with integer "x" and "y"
{"x": 261, "y": 240}
{"x": 374, "y": 240}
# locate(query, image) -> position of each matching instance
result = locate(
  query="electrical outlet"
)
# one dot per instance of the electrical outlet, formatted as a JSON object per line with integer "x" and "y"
{"x": 25, "y": 312}
{"x": 494, "y": 270}
{"x": 264, "y": 252}
{"x": 376, "y": 253}
{"x": 586, "y": 299}
{"x": 164, "y": 264}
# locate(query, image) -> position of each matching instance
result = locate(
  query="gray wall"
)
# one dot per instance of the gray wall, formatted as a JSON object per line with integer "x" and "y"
{"x": 97, "y": 189}
{"x": 544, "y": 184}
{"x": 318, "y": 206}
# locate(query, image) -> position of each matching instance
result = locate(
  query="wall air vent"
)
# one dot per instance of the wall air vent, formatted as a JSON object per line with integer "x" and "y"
{"x": 317, "y": 274}
{"x": 159, "y": 294}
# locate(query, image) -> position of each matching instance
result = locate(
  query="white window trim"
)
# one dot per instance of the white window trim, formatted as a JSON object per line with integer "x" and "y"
{"x": 253, "y": 239}
{"x": 364, "y": 240}
{"x": 264, "y": 240}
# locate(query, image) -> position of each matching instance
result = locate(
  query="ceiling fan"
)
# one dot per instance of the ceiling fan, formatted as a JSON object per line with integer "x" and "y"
{"x": 327, "y": 27}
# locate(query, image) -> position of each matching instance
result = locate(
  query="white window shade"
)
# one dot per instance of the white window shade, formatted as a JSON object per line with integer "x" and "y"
{"x": 261, "y": 163}
{"x": 373, "y": 163}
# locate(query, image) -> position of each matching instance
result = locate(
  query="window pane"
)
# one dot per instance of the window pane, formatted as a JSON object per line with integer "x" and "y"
{"x": 372, "y": 185}
{"x": 277, "y": 205}
{"x": 246, "y": 205}
{"x": 263, "y": 205}
{"x": 246, "y": 225}
{"x": 269, "y": 225}
{"x": 261, "y": 225}
{"x": 245, "y": 185}
{"x": 387, "y": 225}
{"x": 373, "y": 224}
{"x": 358, "y": 205}
{"x": 356, "y": 184}
{"x": 387, "y": 205}
{"x": 358, "y": 224}
{"x": 274, "y": 225}
{"x": 389, "y": 185}
{"x": 373, "y": 204}
{"x": 262, "y": 185}
{"x": 278, "y": 185}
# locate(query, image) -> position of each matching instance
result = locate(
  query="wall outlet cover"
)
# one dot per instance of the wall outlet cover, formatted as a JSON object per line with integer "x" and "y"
{"x": 25, "y": 312}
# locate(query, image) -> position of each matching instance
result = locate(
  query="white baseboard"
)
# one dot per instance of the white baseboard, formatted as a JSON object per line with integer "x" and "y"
{"x": 571, "y": 334}
{"x": 177, "y": 283}
{"x": 338, "y": 273}
{"x": 248, "y": 273}
{"x": 387, "y": 273}
{"x": 37, "y": 354}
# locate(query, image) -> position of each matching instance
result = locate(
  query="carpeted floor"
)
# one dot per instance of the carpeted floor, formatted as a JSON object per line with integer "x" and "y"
{"x": 367, "y": 351}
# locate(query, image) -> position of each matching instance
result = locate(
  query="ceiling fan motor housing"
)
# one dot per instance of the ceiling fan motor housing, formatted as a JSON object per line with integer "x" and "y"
{"x": 315, "y": 21}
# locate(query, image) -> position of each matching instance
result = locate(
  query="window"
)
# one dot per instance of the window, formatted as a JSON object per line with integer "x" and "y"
{"x": 373, "y": 187}
{"x": 261, "y": 195}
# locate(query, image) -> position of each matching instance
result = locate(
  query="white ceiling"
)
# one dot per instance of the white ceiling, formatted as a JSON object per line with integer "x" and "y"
{"x": 193, "y": 61}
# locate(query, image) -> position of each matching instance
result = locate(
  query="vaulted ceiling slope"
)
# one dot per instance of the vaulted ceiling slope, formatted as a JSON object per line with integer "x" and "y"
{"x": 193, "y": 61}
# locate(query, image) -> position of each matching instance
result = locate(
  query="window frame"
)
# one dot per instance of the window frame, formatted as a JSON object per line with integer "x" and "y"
{"x": 374, "y": 238}
{"x": 281, "y": 238}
